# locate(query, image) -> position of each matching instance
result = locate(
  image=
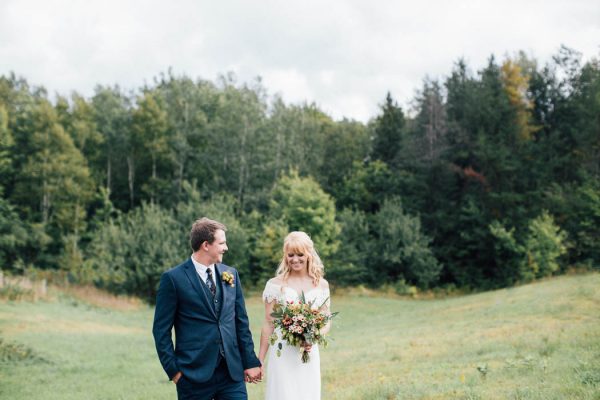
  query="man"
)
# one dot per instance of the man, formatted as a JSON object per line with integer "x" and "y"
{"x": 202, "y": 299}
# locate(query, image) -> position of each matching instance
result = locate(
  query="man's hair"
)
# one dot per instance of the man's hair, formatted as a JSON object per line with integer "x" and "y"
{"x": 203, "y": 230}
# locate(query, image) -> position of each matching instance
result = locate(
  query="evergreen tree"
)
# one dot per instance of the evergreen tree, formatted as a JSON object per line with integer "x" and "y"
{"x": 388, "y": 132}
{"x": 6, "y": 150}
{"x": 345, "y": 142}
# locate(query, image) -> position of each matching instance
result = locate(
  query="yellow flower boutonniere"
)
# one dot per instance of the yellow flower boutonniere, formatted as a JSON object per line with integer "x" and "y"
{"x": 228, "y": 278}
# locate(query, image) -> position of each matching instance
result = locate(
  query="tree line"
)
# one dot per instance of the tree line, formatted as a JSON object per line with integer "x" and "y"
{"x": 490, "y": 178}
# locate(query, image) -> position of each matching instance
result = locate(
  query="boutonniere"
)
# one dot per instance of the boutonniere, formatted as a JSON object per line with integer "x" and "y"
{"x": 228, "y": 278}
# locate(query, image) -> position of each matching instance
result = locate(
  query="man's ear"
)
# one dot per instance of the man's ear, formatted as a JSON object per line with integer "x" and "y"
{"x": 204, "y": 245}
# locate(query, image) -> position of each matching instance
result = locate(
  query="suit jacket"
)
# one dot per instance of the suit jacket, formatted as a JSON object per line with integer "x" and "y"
{"x": 183, "y": 304}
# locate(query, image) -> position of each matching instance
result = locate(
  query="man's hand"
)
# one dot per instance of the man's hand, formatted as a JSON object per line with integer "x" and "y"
{"x": 176, "y": 377}
{"x": 253, "y": 375}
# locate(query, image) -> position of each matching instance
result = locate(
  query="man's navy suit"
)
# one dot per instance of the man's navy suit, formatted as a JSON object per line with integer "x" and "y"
{"x": 207, "y": 328}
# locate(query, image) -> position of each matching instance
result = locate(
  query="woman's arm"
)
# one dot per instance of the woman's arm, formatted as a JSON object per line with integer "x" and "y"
{"x": 327, "y": 327}
{"x": 266, "y": 331}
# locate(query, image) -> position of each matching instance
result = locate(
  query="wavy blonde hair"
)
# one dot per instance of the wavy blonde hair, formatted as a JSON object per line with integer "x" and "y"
{"x": 300, "y": 242}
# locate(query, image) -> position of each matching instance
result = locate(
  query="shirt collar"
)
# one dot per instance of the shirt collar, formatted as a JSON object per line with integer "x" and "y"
{"x": 201, "y": 268}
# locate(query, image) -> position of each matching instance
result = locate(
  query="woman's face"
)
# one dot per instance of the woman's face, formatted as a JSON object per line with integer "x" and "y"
{"x": 296, "y": 261}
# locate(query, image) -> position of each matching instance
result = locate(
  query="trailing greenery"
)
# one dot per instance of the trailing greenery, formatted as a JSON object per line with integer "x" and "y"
{"x": 491, "y": 178}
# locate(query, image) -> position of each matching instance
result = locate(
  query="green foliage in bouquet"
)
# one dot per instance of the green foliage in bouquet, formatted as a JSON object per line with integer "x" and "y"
{"x": 300, "y": 324}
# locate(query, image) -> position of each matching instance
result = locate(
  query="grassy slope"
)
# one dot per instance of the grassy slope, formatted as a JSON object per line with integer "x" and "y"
{"x": 540, "y": 341}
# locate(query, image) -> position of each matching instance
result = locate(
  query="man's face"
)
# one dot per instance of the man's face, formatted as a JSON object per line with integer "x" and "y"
{"x": 217, "y": 248}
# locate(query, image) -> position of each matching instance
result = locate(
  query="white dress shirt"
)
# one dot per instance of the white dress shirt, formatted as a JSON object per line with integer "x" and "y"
{"x": 201, "y": 270}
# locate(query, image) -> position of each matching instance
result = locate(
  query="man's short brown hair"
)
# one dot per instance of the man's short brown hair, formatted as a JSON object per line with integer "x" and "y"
{"x": 203, "y": 230}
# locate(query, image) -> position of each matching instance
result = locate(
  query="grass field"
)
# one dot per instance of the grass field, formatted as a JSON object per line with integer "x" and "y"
{"x": 539, "y": 341}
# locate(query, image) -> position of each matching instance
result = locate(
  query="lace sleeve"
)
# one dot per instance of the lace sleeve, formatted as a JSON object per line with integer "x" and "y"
{"x": 323, "y": 299}
{"x": 327, "y": 295}
{"x": 271, "y": 293}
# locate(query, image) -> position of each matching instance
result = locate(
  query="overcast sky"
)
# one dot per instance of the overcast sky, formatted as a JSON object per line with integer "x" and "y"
{"x": 343, "y": 55}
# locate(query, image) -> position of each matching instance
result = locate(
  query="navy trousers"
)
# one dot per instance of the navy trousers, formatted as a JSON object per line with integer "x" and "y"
{"x": 219, "y": 387}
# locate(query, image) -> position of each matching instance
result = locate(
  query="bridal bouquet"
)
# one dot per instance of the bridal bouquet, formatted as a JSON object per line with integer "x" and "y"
{"x": 300, "y": 324}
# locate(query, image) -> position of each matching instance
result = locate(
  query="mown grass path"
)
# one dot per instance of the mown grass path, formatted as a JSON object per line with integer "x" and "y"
{"x": 539, "y": 341}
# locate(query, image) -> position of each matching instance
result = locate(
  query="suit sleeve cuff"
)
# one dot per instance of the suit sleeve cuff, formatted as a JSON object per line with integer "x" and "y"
{"x": 173, "y": 371}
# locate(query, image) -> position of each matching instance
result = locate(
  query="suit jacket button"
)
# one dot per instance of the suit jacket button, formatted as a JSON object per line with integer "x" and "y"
{"x": 216, "y": 301}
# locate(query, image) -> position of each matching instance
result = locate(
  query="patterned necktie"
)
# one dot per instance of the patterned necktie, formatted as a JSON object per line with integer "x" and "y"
{"x": 210, "y": 282}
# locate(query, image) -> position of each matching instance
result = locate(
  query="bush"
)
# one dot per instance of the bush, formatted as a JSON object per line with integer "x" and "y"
{"x": 267, "y": 249}
{"x": 577, "y": 208}
{"x": 13, "y": 235}
{"x": 402, "y": 250}
{"x": 304, "y": 206}
{"x": 130, "y": 252}
{"x": 220, "y": 207}
{"x": 544, "y": 245}
{"x": 350, "y": 264}
{"x": 508, "y": 254}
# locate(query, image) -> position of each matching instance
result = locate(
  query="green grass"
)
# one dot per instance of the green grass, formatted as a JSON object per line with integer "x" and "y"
{"x": 539, "y": 341}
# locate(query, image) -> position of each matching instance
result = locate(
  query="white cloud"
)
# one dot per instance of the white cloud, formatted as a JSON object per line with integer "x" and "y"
{"x": 290, "y": 84}
{"x": 343, "y": 55}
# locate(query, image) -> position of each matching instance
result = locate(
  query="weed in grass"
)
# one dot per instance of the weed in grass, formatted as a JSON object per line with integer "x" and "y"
{"x": 470, "y": 395}
{"x": 526, "y": 363}
{"x": 15, "y": 293}
{"x": 17, "y": 353}
{"x": 585, "y": 292}
{"x": 522, "y": 394}
{"x": 588, "y": 374}
{"x": 547, "y": 347}
{"x": 483, "y": 370}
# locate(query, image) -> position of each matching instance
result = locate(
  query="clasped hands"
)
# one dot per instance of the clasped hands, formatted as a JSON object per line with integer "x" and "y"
{"x": 253, "y": 375}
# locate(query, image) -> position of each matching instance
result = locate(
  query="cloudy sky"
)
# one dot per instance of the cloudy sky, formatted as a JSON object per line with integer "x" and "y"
{"x": 343, "y": 55}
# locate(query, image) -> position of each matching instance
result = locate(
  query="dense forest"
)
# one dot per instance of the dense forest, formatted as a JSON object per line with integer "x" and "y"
{"x": 488, "y": 179}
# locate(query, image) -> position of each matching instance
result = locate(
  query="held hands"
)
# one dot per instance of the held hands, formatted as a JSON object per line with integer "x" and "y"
{"x": 253, "y": 375}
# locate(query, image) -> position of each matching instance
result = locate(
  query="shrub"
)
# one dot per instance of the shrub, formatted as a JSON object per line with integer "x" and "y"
{"x": 130, "y": 252}
{"x": 544, "y": 245}
{"x": 402, "y": 250}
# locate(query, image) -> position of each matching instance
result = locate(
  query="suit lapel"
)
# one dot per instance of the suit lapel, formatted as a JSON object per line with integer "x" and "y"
{"x": 194, "y": 278}
{"x": 219, "y": 268}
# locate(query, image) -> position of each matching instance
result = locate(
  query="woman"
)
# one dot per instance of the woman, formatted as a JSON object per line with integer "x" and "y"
{"x": 300, "y": 270}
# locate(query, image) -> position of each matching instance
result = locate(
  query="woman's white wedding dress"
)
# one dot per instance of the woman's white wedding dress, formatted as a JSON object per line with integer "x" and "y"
{"x": 287, "y": 377}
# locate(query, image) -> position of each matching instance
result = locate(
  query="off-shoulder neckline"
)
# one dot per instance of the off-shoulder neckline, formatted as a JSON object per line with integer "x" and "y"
{"x": 295, "y": 291}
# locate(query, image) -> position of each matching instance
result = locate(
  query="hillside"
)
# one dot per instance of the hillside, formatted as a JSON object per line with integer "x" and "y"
{"x": 538, "y": 341}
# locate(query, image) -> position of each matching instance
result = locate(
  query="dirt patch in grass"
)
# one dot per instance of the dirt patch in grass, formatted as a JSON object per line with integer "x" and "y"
{"x": 103, "y": 299}
{"x": 40, "y": 323}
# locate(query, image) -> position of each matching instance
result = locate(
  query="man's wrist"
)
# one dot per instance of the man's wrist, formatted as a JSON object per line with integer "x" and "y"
{"x": 176, "y": 377}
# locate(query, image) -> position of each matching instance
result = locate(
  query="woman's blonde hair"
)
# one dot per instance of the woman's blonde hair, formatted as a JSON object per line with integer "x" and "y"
{"x": 301, "y": 243}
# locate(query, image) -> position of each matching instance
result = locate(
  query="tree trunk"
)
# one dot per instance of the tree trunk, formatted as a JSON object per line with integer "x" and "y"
{"x": 243, "y": 167}
{"x": 45, "y": 191}
{"x": 130, "y": 179}
{"x": 153, "y": 186}
{"x": 108, "y": 175}
{"x": 180, "y": 177}
{"x": 279, "y": 135}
